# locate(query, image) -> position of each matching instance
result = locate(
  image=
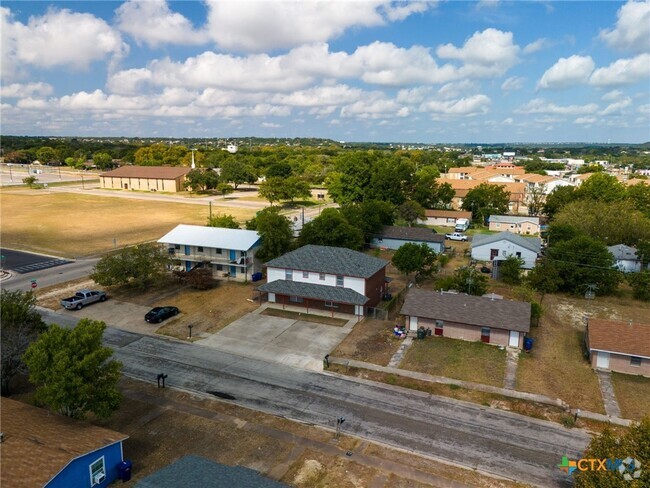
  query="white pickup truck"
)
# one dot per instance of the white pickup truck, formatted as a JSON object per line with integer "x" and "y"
{"x": 456, "y": 236}
{"x": 82, "y": 298}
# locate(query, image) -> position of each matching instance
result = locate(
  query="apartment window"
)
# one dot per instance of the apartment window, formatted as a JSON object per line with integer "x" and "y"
{"x": 635, "y": 361}
{"x": 331, "y": 305}
{"x": 217, "y": 250}
{"x": 219, "y": 267}
{"x": 199, "y": 249}
{"x": 485, "y": 334}
{"x": 305, "y": 274}
{"x": 339, "y": 280}
{"x": 295, "y": 299}
{"x": 97, "y": 472}
{"x": 288, "y": 274}
{"x": 503, "y": 253}
{"x": 177, "y": 246}
{"x": 498, "y": 225}
{"x": 321, "y": 276}
{"x": 518, "y": 254}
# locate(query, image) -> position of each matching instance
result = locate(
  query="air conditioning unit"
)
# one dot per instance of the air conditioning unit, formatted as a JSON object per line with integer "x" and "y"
{"x": 99, "y": 478}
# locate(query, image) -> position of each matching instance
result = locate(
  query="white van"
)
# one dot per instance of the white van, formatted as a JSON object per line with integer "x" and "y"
{"x": 462, "y": 225}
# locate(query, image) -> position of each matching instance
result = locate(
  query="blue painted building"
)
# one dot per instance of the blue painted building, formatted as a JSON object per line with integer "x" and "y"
{"x": 393, "y": 237}
{"x": 41, "y": 448}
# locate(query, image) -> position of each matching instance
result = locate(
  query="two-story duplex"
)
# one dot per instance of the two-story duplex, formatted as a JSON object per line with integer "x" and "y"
{"x": 228, "y": 252}
{"x": 327, "y": 278}
{"x": 498, "y": 247}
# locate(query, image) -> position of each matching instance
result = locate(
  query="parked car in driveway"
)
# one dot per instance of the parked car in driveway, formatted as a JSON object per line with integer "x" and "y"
{"x": 158, "y": 314}
{"x": 456, "y": 236}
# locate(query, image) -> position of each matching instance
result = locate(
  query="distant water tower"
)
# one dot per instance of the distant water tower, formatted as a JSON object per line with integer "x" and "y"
{"x": 231, "y": 148}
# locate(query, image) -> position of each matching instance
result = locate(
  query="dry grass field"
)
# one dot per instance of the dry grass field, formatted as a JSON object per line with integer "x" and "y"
{"x": 633, "y": 395}
{"x": 371, "y": 340}
{"x": 75, "y": 225}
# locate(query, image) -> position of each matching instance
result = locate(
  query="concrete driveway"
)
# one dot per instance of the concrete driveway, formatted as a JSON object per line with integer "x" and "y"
{"x": 122, "y": 315}
{"x": 291, "y": 342}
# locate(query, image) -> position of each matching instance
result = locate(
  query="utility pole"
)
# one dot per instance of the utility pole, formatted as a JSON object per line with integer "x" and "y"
{"x": 210, "y": 202}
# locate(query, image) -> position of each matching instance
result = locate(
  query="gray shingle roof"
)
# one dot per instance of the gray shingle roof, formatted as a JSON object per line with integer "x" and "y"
{"x": 197, "y": 472}
{"x": 410, "y": 234}
{"x": 621, "y": 252}
{"x": 317, "y": 292}
{"x": 329, "y": 260}
{"x": 467, "y": 309}
{"x": 530, "y": 243}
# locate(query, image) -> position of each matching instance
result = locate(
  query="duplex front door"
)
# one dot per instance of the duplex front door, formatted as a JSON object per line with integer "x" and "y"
{"x": 514, "y": 339}
{"x": 602, "y": 360}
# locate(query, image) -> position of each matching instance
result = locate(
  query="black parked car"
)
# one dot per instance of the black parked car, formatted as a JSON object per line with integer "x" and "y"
{"x": 158, "y": 314}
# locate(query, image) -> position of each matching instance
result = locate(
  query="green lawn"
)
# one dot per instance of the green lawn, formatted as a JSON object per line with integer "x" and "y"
{"x": 633, "y": 395}
{"x": 454, "y": 358}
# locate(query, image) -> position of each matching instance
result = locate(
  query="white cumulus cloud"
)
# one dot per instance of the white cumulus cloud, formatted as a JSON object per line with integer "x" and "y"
{"x": 617, "y": 107}
{"x": 632, "y": 30}
{"x": 513, "y": 83}
{"x": 152, "y": 22}
{"x": 567, "y": 72}
{"x": 56, "y": 38}
{"x": 623, "y": 72}
{"x": 24, "y": 90}
{"x": 541, "y": 106}
{"x": 537, "y": 45}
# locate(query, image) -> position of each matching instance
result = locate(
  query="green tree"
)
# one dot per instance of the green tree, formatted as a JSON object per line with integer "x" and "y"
{"x": 46, "y": 154}
{"x": 21, "y": 324}
{"x": 633, "y": 442}
{"x": 294, "y": 187}
{"x": 225, "y": 189}
{"x": 558, "y": 198}
{"x": 30, "y": 181}
{"x": 640, "y": 283}
{"x": 275, "y": 231}
{"x": 272, "y": 189}
{"x": 351, "y": 178}
{"x": 236, "y": 172}
{"x": 467, "y": 280}
{"x": 428, "y": 191}
{"x": 279, "y": 170}
{"x": 331, "y": 228}
{"x": 102, "y": 160}
{"x": 545, "y": 278}
{"x": 415, "y": 258}
{"x": 535, "y": 200}
{"x": 602, "y": 187}
{"x": 73, "y": 373}
{"x": 139, "y": 266}
{"x": 639, "y": 195}
{"x": 369, "y": 216}
{"x": 486, "y": 200}
{"x": 201, "y": 180}
{"x": 510, "y": 270}
{"x": 584, "y": 261}
{"x": 610, "y": 222}
{"x": 411, "y": 211}
{"x": 223, "y": 220}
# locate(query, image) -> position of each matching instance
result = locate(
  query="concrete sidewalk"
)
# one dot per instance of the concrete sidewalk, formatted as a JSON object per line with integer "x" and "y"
{"x": 531, "y": 397}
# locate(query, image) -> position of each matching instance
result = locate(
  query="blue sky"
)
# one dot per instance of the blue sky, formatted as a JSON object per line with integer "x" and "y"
{"x": 372, "y": 70}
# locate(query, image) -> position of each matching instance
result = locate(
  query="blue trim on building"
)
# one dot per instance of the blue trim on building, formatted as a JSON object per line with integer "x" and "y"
{"x": 76, "y": 474}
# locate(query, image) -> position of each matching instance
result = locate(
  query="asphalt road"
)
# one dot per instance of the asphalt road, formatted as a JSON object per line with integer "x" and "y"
{"x": 489, "y": 440}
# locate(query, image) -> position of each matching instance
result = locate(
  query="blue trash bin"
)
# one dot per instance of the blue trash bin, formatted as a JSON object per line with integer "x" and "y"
{"x": 124, "y": 470}
{"x": 528, "y": 343}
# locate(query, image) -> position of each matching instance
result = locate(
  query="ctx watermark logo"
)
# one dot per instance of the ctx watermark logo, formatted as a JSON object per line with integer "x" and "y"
{"x": 629, "y": 468}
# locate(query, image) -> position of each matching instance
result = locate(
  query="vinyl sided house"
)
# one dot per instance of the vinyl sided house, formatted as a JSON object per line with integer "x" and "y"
{"x": 392, "y": 237}
{"x": 619, "y": 346}
{"x": 40, "y": 448}
{"x": 626, "y": 258}
{"x": 145, "y": 178}
{"x": 471, "y": 318}
{"x": 446, "y": 218}
{"x": 228, "y": 252}
{"x": 515, "y": 224}
{"x": 497, "y": 247}
{"x": 327, "y": 278}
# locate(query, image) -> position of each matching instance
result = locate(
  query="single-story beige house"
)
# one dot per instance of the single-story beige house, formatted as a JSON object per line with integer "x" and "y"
{"x": 517, "y": 225}
{"x": 619, "y": 346}
{"x": 445, "y": 218}
{"x": 467, "y": 317}
{"x": 145, "y": 178}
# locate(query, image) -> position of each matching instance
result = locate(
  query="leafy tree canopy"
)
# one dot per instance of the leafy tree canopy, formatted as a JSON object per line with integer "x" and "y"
{"x": 331, "y": 228}
{"x": 640, "y": 283}
{"x": 584, "y": 261}
{"x": 223, "y": 220}
{"x": 21, "y": 324}
{"x": 369, "y": 216}
{"x": 467, "y": 280}
{"x": 236, "y": 172}
{"x": 275, "y": 231}
{"x": 73, "y": 373}
{"x": 558, "y": 198}
{"x": 139, "y": 266}
{"x": 201, "y": 179}
{"x": 415, "y": 258}
{"x": 411, "y": 212}
{"x": 486, "y": 200}
{"x": 602, "y": 187}
{"x": 510, "y": 270}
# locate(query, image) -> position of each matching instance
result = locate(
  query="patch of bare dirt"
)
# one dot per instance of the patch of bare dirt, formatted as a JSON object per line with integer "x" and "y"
{"x": 371, "y": 340}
